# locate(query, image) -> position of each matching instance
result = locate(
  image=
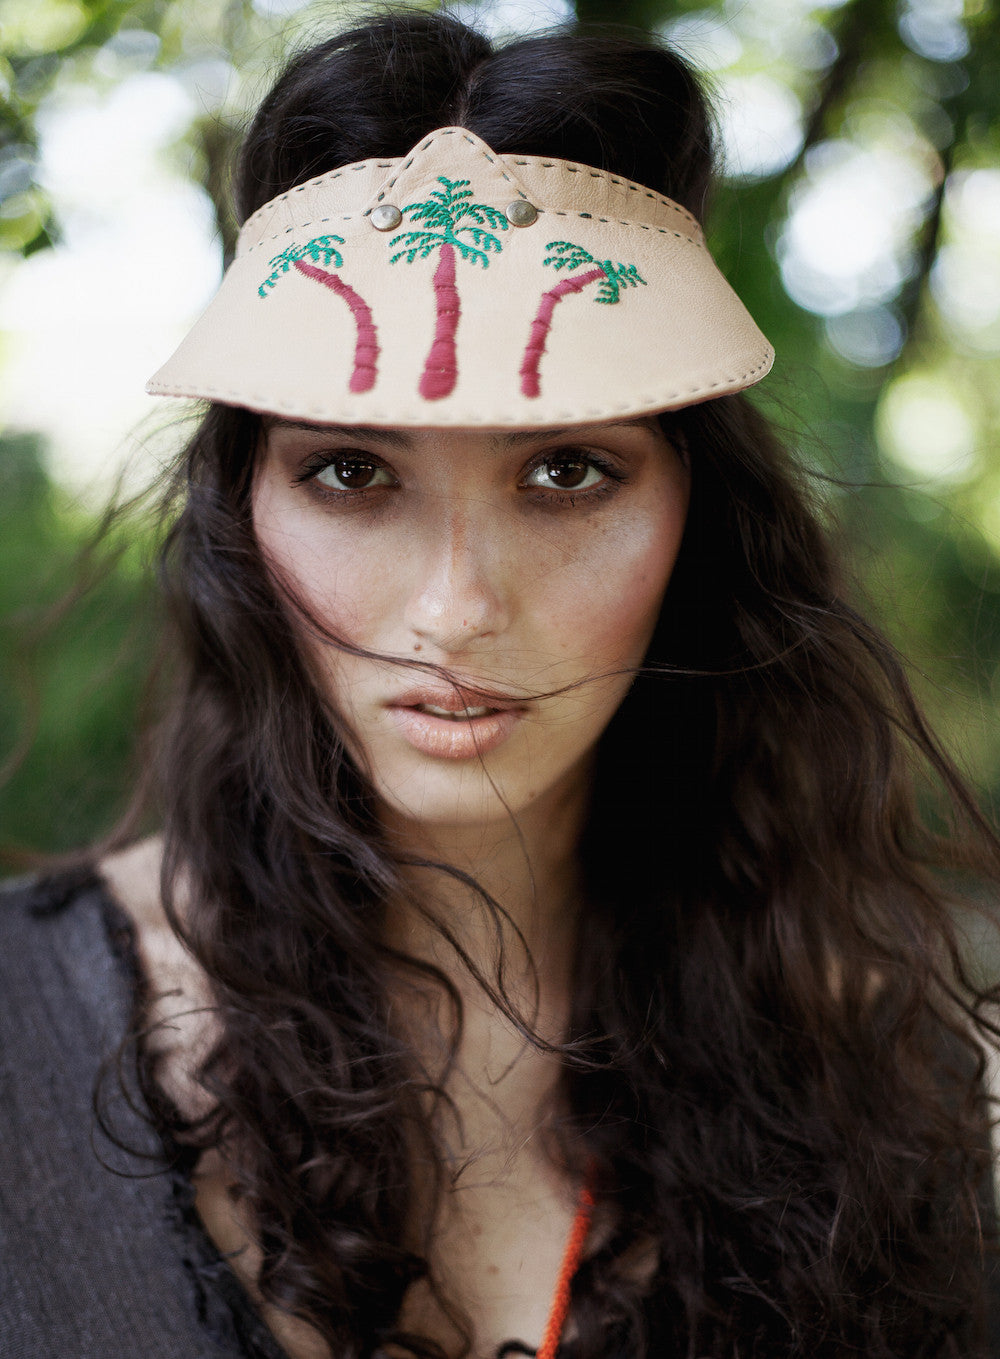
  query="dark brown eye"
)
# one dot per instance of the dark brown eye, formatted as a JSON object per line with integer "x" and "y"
{"x": 565, "y": 474}
{"x": 351, "y": 473}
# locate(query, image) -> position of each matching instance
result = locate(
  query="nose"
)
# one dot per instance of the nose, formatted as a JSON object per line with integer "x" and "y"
{"x": 457, "y": 595}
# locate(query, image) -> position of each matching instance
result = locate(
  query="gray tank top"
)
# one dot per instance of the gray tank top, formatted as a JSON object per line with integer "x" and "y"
{"x": 102, "y": 1255}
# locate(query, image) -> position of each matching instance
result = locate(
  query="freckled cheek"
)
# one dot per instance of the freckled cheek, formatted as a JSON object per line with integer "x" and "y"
{"x": 345, "y": 590}
{"x": 355, "y": 597}
{"x": 608, "y": 611}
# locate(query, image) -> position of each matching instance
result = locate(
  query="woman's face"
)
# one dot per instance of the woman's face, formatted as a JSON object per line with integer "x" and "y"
{"x": 530, "y": 565}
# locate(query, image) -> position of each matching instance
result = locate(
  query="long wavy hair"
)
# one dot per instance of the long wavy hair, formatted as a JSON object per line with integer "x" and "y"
{"x": 775, "y": 1056}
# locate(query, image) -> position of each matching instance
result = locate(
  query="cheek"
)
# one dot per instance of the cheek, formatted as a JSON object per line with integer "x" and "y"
{"x": 343, "y": 590}
{"x": 605, "y": 607}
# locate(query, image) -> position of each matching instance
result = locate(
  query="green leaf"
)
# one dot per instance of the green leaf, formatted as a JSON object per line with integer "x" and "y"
{"x": 447, "y": 207}
{"x": 568, "y": 256}
{"x": 469, "y": 252}
{"x": 434, "y": 214}
{"x": 485, "y": 215}
{"x": 626, "y": 273}
{"x": 481, "y": 238}
{"x": 322, "y": 250}
{"x": 280, "y": 264}
{"x": 416, "y": 245}
{"x": 456, "y": 188}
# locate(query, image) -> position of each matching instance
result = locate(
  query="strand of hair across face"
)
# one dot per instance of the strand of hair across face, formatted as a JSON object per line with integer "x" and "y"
{"x": 571, "y": 1260}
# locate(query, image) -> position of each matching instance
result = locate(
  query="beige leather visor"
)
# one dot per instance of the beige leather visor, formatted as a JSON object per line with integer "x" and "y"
{"x": 460, "y": 287}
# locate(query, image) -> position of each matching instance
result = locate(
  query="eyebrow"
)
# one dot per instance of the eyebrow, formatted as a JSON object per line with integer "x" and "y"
{"x": 398, "y": 438}
{"x": 389, "y": 436}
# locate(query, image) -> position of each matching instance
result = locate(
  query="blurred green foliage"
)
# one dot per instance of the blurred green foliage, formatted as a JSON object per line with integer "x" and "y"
{"x": 913, "y": 85}
{"x": 75, "y": 646}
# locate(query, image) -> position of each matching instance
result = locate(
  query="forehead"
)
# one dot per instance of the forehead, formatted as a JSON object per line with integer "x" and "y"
{"x": 500, "y": 438}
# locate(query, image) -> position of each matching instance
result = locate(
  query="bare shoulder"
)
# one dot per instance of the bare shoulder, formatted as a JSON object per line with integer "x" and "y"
{"x": 179, "y": 1001}
{"x": 132, "y": 876}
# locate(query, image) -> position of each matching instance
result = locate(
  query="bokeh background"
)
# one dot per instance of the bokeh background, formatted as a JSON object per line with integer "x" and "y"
{"x": 859, "y": 217}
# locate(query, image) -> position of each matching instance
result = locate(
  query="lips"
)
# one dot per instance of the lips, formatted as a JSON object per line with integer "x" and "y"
{"x": 455, "y": 724}
{"x": 459, "y": 715}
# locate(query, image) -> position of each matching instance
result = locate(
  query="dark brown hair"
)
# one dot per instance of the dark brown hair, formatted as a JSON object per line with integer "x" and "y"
{"x": 775, "y": 1055}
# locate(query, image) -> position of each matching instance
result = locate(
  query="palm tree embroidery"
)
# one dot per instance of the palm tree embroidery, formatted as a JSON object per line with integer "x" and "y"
{"x": 307, "y": 260}
{"x": 614, "y": 277}
{"x": 442, "y": 213}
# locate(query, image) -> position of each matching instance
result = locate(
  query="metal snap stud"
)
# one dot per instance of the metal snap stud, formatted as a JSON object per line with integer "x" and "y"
{"x": 386, "y": 217}
{"x": 521, "y": 212}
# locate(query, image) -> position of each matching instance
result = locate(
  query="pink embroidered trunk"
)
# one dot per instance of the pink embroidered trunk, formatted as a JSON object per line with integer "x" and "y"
{"x": 540, "y": 326}
{"x": 366, "y": 345}
{"x": 441, "y": 366}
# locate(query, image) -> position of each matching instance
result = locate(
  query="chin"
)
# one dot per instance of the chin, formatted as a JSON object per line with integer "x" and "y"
{"x": 536, "y": 773}
{"x": 456, "y": 799}
{"x": 490, "y": 793}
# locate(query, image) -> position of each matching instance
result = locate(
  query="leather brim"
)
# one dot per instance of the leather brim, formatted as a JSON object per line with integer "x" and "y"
{"x": 665, "y": 330}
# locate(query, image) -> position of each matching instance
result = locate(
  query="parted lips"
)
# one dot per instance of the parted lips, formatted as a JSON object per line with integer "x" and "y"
{"x": 456, "y": 286}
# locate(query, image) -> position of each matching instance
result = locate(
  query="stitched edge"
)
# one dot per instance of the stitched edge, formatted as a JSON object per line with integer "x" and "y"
{"x": 573, "y": 168}
{"x": 536, "y": 162}
{"x": 448, "y": 132}
{"x": 316, "y": 183}
{"x": 549, "y": 212}
{"x": 661, "y": 401}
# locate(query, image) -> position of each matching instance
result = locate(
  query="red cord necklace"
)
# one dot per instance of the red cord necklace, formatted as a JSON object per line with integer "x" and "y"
{"x": 571, "y": 1260}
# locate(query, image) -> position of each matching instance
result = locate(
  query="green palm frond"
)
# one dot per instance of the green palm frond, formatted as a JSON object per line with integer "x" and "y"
{"x": 469, "y": 252}
{"x": 616, "y": 277}
{"x": 567, "y": 256}
{"x": 442, "y": 213}
{"x": 320, "y": 250}
{"x": 434, "y": 214}
{"x": 415, "y": 245}
{"x": 454, "y": 190}
{"x": 484, "y": 239}
{"x": 608, "y": 291}
{"x": 441, "y": 204}
{"x": 483, "y": 214}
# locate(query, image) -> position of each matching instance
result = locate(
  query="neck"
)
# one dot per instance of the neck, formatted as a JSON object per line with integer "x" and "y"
{"x": 529, "y": 869}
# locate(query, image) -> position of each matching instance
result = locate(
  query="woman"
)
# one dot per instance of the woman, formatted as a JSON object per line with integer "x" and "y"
{"x": 538, "y": 817}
